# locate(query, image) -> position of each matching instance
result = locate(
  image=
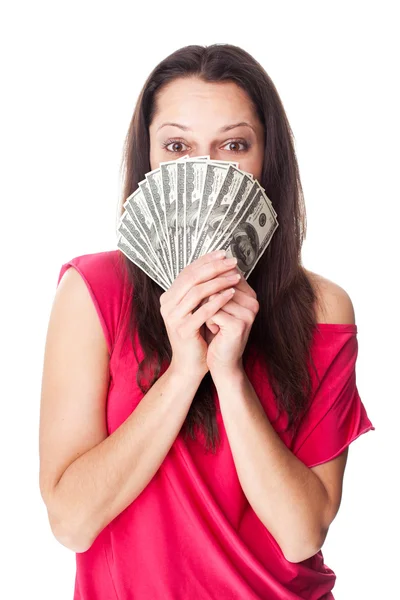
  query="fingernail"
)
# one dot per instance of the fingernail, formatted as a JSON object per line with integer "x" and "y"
{"x": 231, "y": 261}
{"x": 219, "y": 253}
{"x": 229, "y": 292}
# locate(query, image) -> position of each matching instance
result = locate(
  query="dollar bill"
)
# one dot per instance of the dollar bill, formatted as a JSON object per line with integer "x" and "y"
{"x": 133, "y": 234}
{"x": 134, "y": 206}
{"x": 226, "y": 163}
{"x": 155, "y": 184}
{"x": 234, "y": 213}
{"x": 252, "y": 234}
{"x": 152, "y": 209}
{"x": 168, "y": 182}
{"x": 235, "y": 189}
{"x": 181, "y": 226}
{"x": 180, "y": 215}
{"x": 137, "y": 259}
{"x": 195, "y": 172}
{"x": 189, "y": 206}
{"x": 137, "y": 203}
{"x": 169, "y": 190}
{"x": 215, "y": 175}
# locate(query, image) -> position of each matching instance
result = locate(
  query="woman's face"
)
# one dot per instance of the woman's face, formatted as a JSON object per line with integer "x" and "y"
{"x": 200, "y": 112}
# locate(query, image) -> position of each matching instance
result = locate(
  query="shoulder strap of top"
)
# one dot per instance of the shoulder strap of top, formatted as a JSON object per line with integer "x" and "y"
{"x": 105, "y": 276}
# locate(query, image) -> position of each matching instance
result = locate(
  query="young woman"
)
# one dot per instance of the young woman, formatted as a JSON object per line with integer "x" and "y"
{"x": 193, "y": 441}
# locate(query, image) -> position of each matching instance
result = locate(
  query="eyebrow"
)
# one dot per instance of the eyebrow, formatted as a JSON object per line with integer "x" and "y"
{"x": 222, "y": 130}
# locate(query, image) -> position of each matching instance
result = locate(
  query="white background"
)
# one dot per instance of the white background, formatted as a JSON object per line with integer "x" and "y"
{"x": 71, "y": 75}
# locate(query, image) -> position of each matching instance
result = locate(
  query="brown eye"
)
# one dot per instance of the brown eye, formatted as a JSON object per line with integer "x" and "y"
{"x": 175, "y": 146}
{"x": 237, "y": 143}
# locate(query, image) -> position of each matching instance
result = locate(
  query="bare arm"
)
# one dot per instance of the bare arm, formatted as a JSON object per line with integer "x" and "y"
{"x": 101, "y": 483}
{"x": 87, "y": 477}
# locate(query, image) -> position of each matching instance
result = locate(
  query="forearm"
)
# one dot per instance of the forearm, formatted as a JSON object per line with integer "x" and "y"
{"x": 286, "y": 495}
{"x": 101, "y": 483}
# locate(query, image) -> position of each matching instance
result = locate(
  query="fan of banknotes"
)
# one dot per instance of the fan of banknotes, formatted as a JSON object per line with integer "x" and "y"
{"x": 190, "y": 206}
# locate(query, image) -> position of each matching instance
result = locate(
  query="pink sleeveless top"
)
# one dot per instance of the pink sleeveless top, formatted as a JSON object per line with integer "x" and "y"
{"x": 191, "y": 533}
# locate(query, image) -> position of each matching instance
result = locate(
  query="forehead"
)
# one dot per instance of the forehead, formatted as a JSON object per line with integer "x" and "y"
{"x": 191, "y": 97}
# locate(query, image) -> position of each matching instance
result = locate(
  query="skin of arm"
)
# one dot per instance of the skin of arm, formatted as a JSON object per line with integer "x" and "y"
{"x": 295, "y": 503}
{"x": 88, "y": 477}
{"x": 101, "y": 483}
{"x": 289, "y": 499}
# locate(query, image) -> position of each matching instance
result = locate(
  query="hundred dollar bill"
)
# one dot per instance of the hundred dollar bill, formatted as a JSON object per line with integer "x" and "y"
{"x": 215, "y": 175}
{"x": 133, "y": 234}
{"x": 175, "y": 225}
{"x": 272, "y": 206}
{"x": 251, "y": 236}
{"x": 181, "y": 235}
{"x": 234, "y": 212}
{"x": 180, "y": 215}
{"x": 155, "y": 184}
{"x": 155, "y": 181}
{"x": 169, "y": 191}
{"x": 151, "y": 207}
{"x": 137, "y": 259}
{"x": 226, "y": 163}
{"x": 168, "y": 182}
{"x": 137, "y": 203}
{"x": 234, "y": 191}
{"x": 135, "y": 206}
{"x": 235, "y": 215}
{"x": 195, "y": 171}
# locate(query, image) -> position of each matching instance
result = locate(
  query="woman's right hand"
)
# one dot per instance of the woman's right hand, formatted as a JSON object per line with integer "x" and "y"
{"x": 196, "y": 282}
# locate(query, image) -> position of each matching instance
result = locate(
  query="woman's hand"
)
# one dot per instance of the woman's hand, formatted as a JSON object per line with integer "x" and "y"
{"x": 228, "y": 330}
{"x": 184, "y": 324}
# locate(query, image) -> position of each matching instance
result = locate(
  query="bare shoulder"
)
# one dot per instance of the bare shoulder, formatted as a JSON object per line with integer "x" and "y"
{"x": 334, "y": 304}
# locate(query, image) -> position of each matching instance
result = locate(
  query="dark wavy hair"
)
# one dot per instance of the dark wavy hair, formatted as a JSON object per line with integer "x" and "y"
{"x": 282, "y": 332}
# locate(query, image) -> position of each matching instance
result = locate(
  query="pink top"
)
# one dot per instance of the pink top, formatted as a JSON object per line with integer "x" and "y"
{"x": 191, "y": 533}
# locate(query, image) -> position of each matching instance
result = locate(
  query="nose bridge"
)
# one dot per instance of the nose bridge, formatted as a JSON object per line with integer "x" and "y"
{"x": 205, "y": 148}
{"x": 205, "y": 144}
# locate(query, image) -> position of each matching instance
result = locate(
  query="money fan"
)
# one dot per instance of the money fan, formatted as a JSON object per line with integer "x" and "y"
{"x": 190, "y": 206}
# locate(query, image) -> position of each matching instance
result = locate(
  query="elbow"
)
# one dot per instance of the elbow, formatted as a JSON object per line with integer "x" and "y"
{"x": 301, "y": 555}
{"x": 68, "y": 534}
{"x": 70, "y": 540}
{"x": 73, "y": 536}
{"x": 297, "y": 555}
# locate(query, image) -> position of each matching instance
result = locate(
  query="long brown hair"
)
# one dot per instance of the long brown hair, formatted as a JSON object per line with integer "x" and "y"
{"x": 282, "y": 332}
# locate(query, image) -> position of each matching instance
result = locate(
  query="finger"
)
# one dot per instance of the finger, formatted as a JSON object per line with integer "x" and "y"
{"x": 244, "y": 286}
{"x": 245, "y": 300}
{"x": 213, "y": 328}
{"x": 203, "y": 260}
{"x": 194, "y": 274}
{"x": 241, "y": 299}
{"x": 197, "y": 294}
{"x": 245, "y": 295}
{"x": 226, "y": 321}
{"x": 197, "y": 319}
{"x": 236, "y": 310}
{"x": 209, "y": 257}
{"x": 226, "y": 274}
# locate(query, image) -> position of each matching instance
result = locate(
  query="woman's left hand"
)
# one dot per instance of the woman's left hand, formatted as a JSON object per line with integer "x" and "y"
{"x": 228, "y": 330}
